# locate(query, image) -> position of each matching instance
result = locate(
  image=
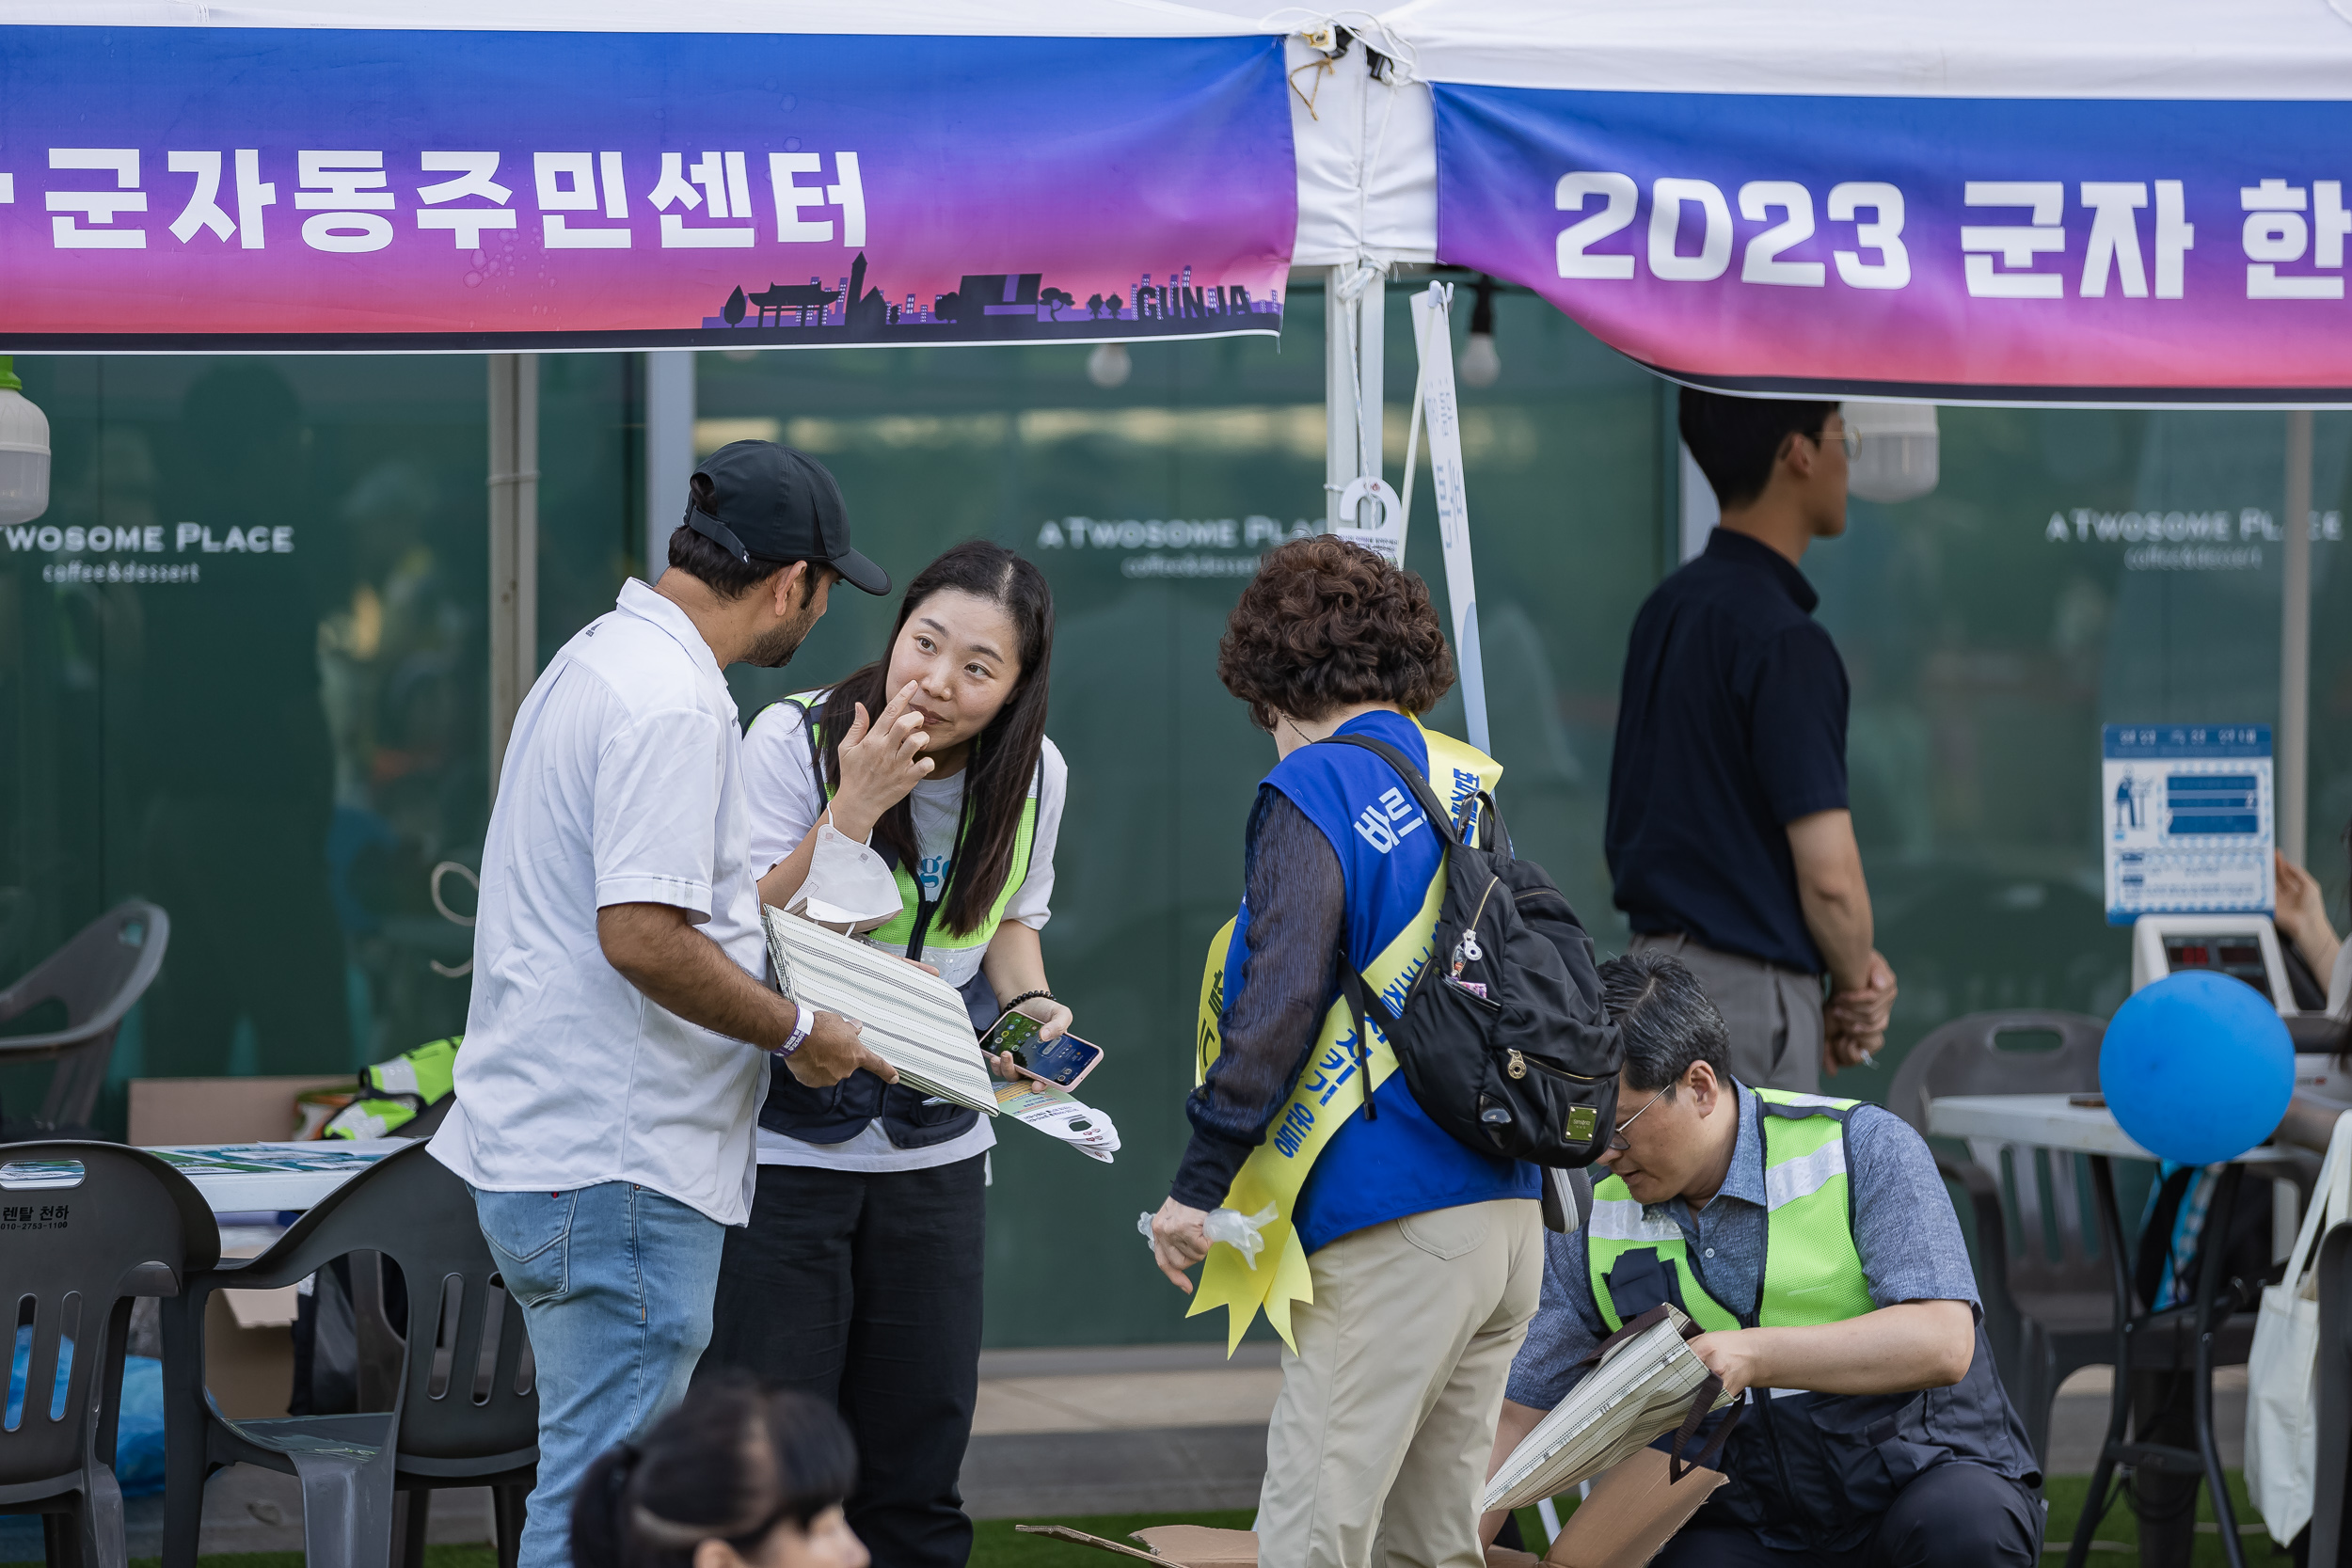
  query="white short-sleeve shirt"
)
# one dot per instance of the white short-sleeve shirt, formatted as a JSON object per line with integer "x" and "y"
{"x": 623, "y": 784}
{"x": 785, "y": 802}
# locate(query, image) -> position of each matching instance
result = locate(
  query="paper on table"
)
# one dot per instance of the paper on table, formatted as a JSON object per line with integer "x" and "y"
{"x": 1058, "y": 1114}
{"x": 913, "y": 1019}
{"x": 1640, "y": 1392}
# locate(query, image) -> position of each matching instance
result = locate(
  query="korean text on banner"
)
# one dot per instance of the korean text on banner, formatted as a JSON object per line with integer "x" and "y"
{"x": 195, "y": 189}
{"x": 2116, "y": 249}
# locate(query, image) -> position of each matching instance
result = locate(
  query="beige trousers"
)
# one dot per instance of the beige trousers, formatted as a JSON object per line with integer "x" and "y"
{"x": 1377, "y": 1453}
{"x": 1773, "y": 1015}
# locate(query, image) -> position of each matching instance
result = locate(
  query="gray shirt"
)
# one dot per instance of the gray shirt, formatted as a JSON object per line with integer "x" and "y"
{"x": 1904, "y": 1227}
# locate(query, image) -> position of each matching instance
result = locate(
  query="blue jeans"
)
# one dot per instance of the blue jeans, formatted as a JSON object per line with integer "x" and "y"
{"x": 615, "y": 1284}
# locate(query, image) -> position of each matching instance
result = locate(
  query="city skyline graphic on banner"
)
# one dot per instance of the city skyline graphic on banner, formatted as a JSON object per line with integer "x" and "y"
{"x": 192, "y": 188}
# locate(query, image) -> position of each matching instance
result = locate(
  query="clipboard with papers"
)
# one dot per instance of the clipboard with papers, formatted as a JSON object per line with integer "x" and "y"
{"x": 913, "y": 1019}
{"x": 1647, "y": 1382}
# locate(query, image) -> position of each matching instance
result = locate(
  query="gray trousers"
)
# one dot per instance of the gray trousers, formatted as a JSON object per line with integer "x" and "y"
{"x": 1774, "y": 1014}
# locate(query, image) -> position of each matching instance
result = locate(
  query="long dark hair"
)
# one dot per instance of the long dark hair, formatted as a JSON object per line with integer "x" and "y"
{"x": 1004, "y": 755}
{"x": 731, "y": 1463}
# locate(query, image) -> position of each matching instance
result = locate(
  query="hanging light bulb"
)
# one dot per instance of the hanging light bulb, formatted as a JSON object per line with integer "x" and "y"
{"x": 1108, "y": 365}
{"x": 24, "y": 450}
{"x": 1480, "y": 364}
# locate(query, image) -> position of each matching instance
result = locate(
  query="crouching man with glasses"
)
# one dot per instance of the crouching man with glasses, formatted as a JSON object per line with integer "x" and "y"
{"x": 1815, "y": 1243}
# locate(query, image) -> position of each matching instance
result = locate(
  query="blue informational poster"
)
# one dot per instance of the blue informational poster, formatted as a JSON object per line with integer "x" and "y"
{"x": 2186, "y": 820}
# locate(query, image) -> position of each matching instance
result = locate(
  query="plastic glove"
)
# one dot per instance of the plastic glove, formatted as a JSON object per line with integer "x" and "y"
{"x": 1235, "y": 1230}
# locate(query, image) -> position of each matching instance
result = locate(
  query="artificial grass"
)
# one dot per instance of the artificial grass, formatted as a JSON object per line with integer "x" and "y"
{"x": 996, "y": 1544}
{"x": 2119, "y": 1533}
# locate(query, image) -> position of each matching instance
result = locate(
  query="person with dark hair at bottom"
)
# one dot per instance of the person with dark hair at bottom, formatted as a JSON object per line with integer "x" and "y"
{"x": 737, "y": 1476}
{"x": 920, "y": 799}
{"x": 1814, "y": 1242}
{"x": 1728, "y": 835}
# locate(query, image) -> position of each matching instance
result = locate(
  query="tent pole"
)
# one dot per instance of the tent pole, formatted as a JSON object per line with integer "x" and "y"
{"x": 1339, "y": 394}
{"x": 1355, "y": 322}
{"x": 1371, "y": 322}
{"x": 669, "y": 450}
{"x": 2294, "y": 645}
{"x": 514, "y": 480}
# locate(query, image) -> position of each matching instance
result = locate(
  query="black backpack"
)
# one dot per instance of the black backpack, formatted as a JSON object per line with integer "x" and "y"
{"x": 1501, "y": 1035}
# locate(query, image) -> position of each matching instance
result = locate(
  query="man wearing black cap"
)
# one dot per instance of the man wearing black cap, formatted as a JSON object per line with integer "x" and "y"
{"x": 620, "y": 1036}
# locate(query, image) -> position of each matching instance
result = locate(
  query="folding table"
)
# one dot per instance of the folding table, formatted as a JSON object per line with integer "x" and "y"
{"x": 2054, "y": 1121}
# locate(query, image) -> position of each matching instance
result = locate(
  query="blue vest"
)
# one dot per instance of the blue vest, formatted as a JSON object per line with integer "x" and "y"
{"x": 1398, "y": 1162}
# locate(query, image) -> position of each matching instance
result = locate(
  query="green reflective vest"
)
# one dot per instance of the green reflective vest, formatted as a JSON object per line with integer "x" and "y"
{"x": 1812, "y": 1274}
{"x": 1808, "y": 1472}
{"x": 914, "y": 930}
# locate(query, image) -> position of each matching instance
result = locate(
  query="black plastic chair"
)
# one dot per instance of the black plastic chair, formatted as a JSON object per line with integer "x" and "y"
{"x": 2333, "y": 1476}
{"x": 98, "y": 976}
{"x": 74, "y": 1250}
{"x": 2046, "y": 1316}
{"x": 464, "y": 1411}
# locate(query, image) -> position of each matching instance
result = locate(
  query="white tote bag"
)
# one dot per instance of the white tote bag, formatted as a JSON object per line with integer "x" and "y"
{"x": 2282, "y": 1374}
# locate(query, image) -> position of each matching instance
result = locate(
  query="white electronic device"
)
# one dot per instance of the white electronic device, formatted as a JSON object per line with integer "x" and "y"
{"x": 2243, "y": 946}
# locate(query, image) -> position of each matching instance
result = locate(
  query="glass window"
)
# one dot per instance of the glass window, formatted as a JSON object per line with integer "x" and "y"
{"x": 2073, "y": 568}
{"x": 243, "y": 673}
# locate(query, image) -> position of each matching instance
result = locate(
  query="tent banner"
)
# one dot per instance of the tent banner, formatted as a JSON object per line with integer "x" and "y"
{"x": 209, "y": 188}
{"x": 2132, "y": 252}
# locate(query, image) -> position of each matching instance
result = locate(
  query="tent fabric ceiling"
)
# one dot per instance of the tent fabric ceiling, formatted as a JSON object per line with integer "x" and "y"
{"x": 1367, "y": 157}
{"x": 2249, "y": 49}
{"x": 1367, "y": 149}
{"x": 966, "y": 18}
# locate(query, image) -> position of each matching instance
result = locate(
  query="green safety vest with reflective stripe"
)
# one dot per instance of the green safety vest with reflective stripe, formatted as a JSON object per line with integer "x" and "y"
{"x": 899, "y": 931}
{"x": 1809, "y": 1472}
{"x": 1812, "y": 1274}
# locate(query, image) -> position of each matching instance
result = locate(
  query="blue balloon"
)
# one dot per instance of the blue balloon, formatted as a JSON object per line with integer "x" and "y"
{"x": 2196, "y": 1066}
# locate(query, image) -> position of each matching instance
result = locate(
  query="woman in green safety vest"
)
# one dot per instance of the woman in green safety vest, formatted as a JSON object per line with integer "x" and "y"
{"x": 918, "y": 801}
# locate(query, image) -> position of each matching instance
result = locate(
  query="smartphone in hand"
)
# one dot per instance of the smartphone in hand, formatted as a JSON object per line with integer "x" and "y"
{"x": 1062, "y": 1063}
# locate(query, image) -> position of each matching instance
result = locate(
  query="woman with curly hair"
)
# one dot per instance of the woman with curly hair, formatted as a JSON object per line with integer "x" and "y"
{"x": 1402, "y": 1266}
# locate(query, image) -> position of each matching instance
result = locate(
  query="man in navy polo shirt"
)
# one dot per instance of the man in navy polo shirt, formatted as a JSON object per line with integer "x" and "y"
{"x": 1728, "y": 833}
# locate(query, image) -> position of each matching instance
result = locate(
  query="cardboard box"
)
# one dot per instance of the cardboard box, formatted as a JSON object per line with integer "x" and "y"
{"x": 248, "y": 1349}
{"x": 1634, "y": 1510}
{"x": 248, "y": 1371}
{"x": 1200, "y": 1546}
{"x": 219, "y": 1110}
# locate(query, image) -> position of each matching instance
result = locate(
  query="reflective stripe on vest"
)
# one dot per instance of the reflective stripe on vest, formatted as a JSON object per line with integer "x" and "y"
{"x": 1812, "y": 1274}
{"x": 898, "y": 931}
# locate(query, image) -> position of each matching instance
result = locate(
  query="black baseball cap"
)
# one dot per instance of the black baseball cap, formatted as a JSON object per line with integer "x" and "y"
{"x": 771, "y": 504}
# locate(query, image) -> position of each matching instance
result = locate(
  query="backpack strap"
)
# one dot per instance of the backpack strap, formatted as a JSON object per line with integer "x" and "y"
{"x": 1352, "y": 984}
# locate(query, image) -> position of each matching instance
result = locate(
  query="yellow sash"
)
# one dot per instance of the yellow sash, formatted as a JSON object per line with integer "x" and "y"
{"x": 1329, "y": 1092}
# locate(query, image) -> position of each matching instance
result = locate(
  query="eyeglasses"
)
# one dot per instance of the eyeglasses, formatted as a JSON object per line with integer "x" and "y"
{"x": 1850, "y": 437}
{"x": 1616, "y": 1139}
